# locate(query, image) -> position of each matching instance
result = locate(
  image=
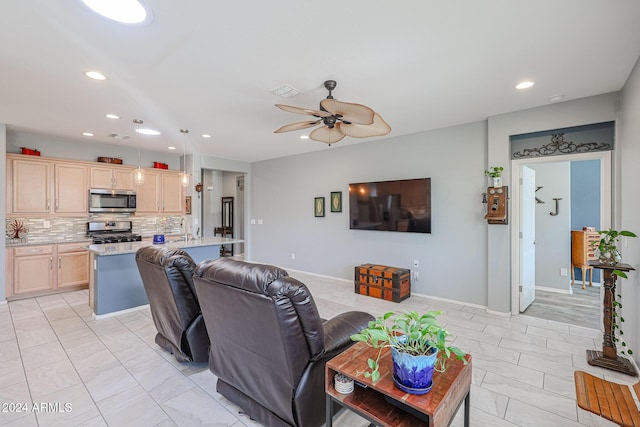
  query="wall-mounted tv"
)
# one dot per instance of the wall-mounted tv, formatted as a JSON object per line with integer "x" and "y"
{"x": 401, "y": 205}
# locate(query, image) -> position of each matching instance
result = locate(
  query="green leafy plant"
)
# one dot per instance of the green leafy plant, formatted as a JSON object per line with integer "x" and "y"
{"x": 421, "y": 335}
{"x": 494, "y": 171}
{"x": 606, "y": 248}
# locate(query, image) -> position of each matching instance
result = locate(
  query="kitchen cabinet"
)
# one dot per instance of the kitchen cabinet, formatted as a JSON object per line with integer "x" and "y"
{"x": 40, "y": 269}
{"x": 33, "y": 269}
{"x": 31, "y": 186}
{"x": 73, "y": 265}
{"x": 70, "y": 188}
{"x": 115, "y": 178}
{"x": 161, "y": 192}
{"x": 37, "y": 186}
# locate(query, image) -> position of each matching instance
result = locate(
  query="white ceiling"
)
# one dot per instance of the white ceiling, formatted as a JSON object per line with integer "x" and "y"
{"x": 208, "y": 66}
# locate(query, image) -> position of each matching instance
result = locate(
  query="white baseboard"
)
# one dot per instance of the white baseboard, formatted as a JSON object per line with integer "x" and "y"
{"x": 118, "y": 313}
{"x": 556, "y": 290}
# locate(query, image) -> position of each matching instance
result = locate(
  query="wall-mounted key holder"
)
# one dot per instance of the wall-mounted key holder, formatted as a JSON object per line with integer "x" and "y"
{"x": 497, "y": 205}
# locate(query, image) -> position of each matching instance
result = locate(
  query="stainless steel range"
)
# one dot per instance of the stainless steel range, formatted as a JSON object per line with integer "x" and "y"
{"x": 111, "y": 232}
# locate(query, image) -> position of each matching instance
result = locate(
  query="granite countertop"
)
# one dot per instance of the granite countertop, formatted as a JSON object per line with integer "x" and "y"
{"x": 12, "y": 243}
{"x": 170, "y": 241}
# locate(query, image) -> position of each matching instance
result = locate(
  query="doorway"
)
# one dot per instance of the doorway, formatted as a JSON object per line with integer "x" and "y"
{"x": 219, "y": 185}
{"x": 555, "y": 300}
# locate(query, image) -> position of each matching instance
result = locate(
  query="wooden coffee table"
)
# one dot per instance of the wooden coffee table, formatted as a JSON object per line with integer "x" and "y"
{"x": 384, "y": 404}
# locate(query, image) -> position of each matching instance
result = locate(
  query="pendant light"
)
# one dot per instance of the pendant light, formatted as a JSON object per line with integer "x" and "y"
{"x": 139, "y": 173}
{"x": 184, "y": 176}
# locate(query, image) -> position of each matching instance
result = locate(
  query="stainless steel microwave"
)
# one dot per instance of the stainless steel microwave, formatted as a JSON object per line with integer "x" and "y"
{"x": 113, "y": 201}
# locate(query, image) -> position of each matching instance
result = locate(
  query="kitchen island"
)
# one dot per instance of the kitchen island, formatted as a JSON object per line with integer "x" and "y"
{"x": 115, "y": 283}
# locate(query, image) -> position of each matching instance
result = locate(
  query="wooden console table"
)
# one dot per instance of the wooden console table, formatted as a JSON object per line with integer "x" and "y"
{"x": 608, "y": 358}
{"x": 386, "y": 405}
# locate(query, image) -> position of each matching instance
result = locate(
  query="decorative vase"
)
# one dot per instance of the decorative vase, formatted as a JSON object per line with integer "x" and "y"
{"x": 497, "y": 181}
{"x": 413, "y": 374}
{"x": 609, "y": 257}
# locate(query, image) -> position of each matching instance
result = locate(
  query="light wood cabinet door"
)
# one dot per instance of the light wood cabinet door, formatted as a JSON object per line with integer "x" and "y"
{"x": 31, "y": 192}
{"x": 70, "y": 188}
{"x": 148, "y": 193}
{"x": 172, "y": 200}
{"x": 111, "y": 178}
{"x": 33, "y": 269}
{"x": 123, "y": 179}
{"x": 73, "y": 266}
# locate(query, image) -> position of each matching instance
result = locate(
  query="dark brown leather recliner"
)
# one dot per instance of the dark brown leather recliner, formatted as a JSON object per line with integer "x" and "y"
{"x": 167, "y": 275}
{"x": 270, "y": 346}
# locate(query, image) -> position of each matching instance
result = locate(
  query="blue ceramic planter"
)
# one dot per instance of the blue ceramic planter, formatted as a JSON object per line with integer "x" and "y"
{"x": 413, "y": 374}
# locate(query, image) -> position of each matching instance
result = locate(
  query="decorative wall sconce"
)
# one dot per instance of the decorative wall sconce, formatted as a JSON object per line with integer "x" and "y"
{"x": 199, "y": 189}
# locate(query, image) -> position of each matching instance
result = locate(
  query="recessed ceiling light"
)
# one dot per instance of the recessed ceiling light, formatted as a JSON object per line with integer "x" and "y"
{"x": 124, "y": 11}
{"x": 524, "y": 85}
{"x": 112, "y": 116}
{"x": 146, "y": 131}
{"x": 304, "y": 136}
{"x": 205, "y": 135}
{"x": 171, "y": 148}
{"x": 87, "y": 134}
{"x": 95, "y": 75}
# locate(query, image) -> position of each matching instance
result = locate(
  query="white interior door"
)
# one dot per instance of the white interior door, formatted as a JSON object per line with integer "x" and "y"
{"x": 527, "y": 237}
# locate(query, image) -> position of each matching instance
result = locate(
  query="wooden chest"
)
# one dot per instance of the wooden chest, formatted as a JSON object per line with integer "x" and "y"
{"x": 381, "y": 281}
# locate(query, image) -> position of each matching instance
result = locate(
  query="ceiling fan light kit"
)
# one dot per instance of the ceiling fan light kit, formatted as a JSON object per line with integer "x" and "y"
{"x": 338, "y": 119}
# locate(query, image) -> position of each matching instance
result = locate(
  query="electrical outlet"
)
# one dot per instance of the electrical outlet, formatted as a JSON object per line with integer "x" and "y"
{"x": 416, "y": 264}
{"x": 416, "y": 276}
{"x": 260, "y": 221}
{"x": 293, "y": 255}
{"x": 564, "y": 272}
{"x": 46, "y": 224}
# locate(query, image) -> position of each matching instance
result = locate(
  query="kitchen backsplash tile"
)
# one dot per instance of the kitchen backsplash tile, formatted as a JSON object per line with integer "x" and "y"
{"x": 75, "y": 229}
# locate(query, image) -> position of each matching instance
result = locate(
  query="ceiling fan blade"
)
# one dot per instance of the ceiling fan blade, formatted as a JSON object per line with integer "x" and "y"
{"x": 300, "y": 110}
{"x": 353, "y": 113}
{"x": 327, "y": 135}
{"x": 296, "y": 126}
{"x": 378, "y": 128}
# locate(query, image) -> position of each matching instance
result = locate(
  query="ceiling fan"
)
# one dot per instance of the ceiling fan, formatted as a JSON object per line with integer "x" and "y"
{"x": 338, "y": 119}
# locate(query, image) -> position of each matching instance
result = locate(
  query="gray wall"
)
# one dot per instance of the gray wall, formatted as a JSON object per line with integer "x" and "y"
{"x": 553, "y": 242}
{"x": 452, "y": 258}
{"x": 51, "y": 146}
{"x": 628, "y": 204}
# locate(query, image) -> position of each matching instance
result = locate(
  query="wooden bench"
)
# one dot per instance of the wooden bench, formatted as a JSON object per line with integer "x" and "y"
{"x": 607, "y": 399}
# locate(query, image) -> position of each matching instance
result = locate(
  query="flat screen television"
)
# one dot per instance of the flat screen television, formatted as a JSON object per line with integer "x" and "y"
{"x": 401, "y": 205}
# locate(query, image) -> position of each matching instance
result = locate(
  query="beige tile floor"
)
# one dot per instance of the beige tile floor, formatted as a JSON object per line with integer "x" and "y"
{"x": 110, "y": 372}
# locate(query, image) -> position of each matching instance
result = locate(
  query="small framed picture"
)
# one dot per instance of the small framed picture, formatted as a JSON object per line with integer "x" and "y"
{"x": 336, "y": 201}
{"x": 318, "y": 206}
{"x": 187, "y": 205}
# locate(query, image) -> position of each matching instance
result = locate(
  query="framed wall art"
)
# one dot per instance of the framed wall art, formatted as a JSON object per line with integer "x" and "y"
{"x": 187, "y": 205}
{"x": 318, "y": 206}
{"x": 336, "y": 201}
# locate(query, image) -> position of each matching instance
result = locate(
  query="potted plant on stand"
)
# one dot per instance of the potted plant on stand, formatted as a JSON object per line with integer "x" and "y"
{"x": 495, "y": 173}
{"x": 418, "y": 346}
{"x": 607, "y": 252}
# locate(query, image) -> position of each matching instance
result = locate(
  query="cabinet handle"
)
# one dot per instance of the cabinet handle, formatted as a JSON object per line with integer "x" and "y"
{"x": 59, "y": 263}
{"x": 35, "y": 250}
{"x": 48, "y": 205}
{"x": 56, "y": 205}
{"x": 50, "y": 263}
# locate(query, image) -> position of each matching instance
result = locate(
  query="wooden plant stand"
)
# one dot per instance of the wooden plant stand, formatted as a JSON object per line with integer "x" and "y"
{"x": 608, "y": 358}
{"x": 384, "y": 404}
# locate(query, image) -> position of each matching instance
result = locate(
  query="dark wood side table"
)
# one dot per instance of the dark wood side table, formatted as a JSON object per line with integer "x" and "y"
{"x": 608, "y": 358}
{"x": 386, "y": 405}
